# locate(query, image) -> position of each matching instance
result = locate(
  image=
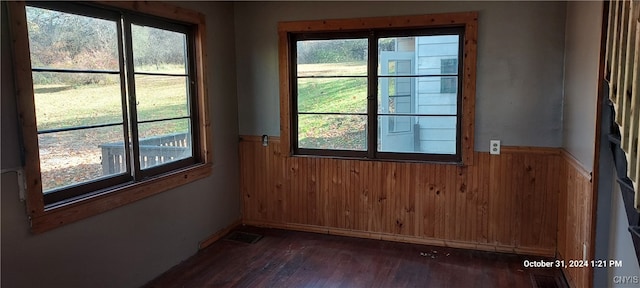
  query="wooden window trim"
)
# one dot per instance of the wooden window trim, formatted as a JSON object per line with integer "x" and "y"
{"x": 468, "y": 20}
{"x": 46, "y": 218}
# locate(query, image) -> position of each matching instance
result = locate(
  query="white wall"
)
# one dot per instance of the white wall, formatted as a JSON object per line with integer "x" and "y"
{"x": 582, "y": 58}
{"x": 131, "y": 245}
{"x": 519, "y": 75}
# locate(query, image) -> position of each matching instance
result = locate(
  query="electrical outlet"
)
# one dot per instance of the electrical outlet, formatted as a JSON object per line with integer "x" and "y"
{"x": 494, "y": 147}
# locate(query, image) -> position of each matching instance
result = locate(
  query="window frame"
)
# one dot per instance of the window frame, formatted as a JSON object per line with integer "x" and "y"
{"x": 44, "y": 217}
{"x": 380, "y": 27}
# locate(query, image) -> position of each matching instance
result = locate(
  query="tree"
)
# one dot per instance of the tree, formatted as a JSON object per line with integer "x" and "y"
{"x": 69, "y": 41}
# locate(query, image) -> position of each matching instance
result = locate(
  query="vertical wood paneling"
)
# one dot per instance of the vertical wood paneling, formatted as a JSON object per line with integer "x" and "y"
{"x": 575, "y": 219}
{"x": 503, "y": 203}
{"x": 485, "y": 188}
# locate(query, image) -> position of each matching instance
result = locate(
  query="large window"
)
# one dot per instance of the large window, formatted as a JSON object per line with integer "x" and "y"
{"x": 380, "y": 91}
{"x": 116, "y": 99}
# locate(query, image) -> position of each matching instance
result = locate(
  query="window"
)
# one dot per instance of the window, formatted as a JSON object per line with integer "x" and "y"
{"x": 448, "y": 84}
{"x": 378, "y": 90}
{"x": 116, "y": 99}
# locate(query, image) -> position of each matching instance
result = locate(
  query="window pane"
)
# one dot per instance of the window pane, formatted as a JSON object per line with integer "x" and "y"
{"x": 423, "y": 55}
{"x": 438, "y": 54}
{"x": 340, "y": 57}
{"x": 449, "y": 66}
{"x": 64, "y": 40}
{"x": 417, "y": 134}
{"x": 164, "y": 142}
{"x": 337, "y": 132}
{"x": 65, "y": 100}
{"x": 74, "y": 157}
{"x": 340, "y": 95}
{"x": 436, "y": 95}
{"x": 438, "y": 85}
{"x": 396, "y": 95}
{"x": 157, "y": 50}
{"x": 161, "y": 97}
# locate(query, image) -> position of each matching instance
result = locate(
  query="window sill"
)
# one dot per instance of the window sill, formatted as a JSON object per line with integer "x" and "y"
{"x": 58, "y": 215}
{"x": 398, "y": 160}
{"x": 275, "y": 141}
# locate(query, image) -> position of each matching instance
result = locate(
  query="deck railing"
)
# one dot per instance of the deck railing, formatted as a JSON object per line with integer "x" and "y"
{"x": 153, "y": 151}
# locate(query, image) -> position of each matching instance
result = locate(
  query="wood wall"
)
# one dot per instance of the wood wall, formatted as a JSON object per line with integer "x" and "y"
{"x": 575, "y": 218}
{"x": 506, "y": 202}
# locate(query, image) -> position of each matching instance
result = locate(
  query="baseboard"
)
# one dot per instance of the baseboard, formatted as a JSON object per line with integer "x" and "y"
{"x": 218, "y": 235}
{"x": 405, "y": 239}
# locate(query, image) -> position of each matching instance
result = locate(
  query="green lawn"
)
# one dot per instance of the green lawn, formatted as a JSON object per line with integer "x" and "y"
{"x": 334, "y": 95}
{"x": 75, "y": 156}
{"x": 69, "y": 106}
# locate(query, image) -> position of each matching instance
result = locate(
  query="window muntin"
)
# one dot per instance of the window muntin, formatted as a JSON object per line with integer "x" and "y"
{"x": 417, "y": 114}
{"x": 87, "y": 97}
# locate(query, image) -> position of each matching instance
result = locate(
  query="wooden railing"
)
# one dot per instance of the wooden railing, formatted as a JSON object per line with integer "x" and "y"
{"x": 153, "y": 151}
{"x": 622, "y": 68}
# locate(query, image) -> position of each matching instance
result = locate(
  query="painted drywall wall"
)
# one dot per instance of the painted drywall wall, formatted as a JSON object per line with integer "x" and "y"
{"x": 130, "y": 245}
{"x": 621, "y": 247}
{"x": 581, "y": 64}
{"x": 582, "y": 57}
{"x": 519, "y": 75}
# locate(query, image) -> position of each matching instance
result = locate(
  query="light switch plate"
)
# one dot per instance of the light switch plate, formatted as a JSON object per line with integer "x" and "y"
{"x": 494, "y": 147}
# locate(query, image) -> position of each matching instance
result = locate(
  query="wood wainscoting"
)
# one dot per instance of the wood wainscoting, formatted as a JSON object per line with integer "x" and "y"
{"x": 505, "y": 203}
{"x": 575, "y": 218}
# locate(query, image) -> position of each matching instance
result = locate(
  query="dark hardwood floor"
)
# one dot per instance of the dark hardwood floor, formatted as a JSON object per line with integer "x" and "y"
{"x": 298, "y": 259}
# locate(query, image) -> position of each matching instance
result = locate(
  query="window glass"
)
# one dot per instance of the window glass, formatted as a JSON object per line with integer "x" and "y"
{"x": 330, "y": 132}
{"x": 161, "y": 97}
{"x": 164, "y": 142}
{"x": 65, "y": 100}
{"x": 332, "y": 94}
{"x": 157, "y": 50}
{"x": 77, "y": 95}
{"x": 77, "y": 156}
{"x": 65, "y": 40}
{"x": 417, "y": 94}
{"x": 340, "y": 57}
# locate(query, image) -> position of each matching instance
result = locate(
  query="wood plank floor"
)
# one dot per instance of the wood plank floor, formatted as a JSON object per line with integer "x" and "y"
{"x": 299, "y": 259}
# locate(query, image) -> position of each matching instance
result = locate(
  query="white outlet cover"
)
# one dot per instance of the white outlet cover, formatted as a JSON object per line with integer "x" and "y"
{"x": 494, "y": 147}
